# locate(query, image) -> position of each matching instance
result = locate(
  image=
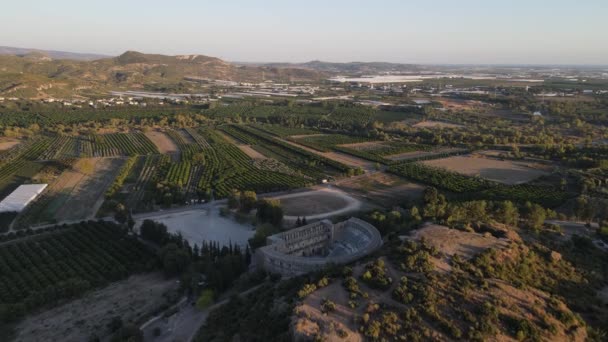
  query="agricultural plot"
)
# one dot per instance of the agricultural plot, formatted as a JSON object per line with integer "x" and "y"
{"x": 18, "y": 166}
{"x": 139, "y": 193}
{"x": 163, "y": 143}
{"x": 47, "y": 268}
{"x": 226, "y": 167}
{"x": 42, "y": 211}
{"x": 310, "y": 163}
{"x": 196, "y": 137}
{"x": 478, "y": 188}
{"x": 283, "y": 132}
{"x": 326, "y": 143}
{"x": 116, "y": 144}
{"x": 382, "y": 188}
{"x": 103, "y": 145}
{"x": 86, "y": 196}
{"x": 501, "y": 171}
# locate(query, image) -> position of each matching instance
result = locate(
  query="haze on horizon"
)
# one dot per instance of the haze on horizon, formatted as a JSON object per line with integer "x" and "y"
{"x": 433, "y": 32}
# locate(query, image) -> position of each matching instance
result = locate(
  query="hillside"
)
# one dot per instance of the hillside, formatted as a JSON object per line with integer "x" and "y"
{"x": 37, "y": 75}
{"x": 9, "y": 50}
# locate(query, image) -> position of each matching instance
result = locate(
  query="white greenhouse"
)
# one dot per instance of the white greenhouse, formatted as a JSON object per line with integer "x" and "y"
{"x": 21, "y": 197}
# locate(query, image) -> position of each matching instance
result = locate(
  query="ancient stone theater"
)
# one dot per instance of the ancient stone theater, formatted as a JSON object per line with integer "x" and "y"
{"x": 317, "y": 245}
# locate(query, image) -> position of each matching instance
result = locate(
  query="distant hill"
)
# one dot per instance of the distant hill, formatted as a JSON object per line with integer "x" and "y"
{"x": 37, "y": 75}
{"x": 7, "y": 50}
{"x": 352, "y": 68}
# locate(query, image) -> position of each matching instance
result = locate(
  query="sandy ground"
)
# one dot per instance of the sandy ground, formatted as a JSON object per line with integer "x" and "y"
{"x": 317, "y": 204}
{"x": 506, "y": 172}
{"x": 308, "y": 315}
{"x": 416, "y": 154}
{"x": 455, "y": 242}
{"x": 382, "y": 188}
{"x": 78, "y": 320}
{"x": 87, "y": 195}
{"x": 7, "y": 144}
{"x": 452, "y": 241}
{"x": 197, "y": 225}
{"x": 436, "y": 124}
{"x": 251, "y": 152}
{"x": 162, "y": 142}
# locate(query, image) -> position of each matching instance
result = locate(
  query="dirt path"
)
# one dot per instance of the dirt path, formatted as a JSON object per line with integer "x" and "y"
{"x": 253, "y": 154}
{"x": 337, "y": 156}
{"x": 185, "y": 323}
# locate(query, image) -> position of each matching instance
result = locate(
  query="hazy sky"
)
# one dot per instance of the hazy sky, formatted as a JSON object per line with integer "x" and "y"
{"x": 421, "y": 31}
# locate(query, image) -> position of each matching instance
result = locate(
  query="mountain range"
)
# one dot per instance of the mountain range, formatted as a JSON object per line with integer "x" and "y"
{"x": 36, "y": 74}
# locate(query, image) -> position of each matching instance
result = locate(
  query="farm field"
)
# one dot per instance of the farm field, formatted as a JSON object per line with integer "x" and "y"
{"x": 163, "y": 143}
{"x": 87, "y": 195}
{"x": 45, "y": 269}
{"x": 253, "y": 154}
{"x": 336, "y": 156}
{"x": 423, "y": 154}
{"x": 45, "y": 207}
{"x": 505, "y": 172}
{"x": 78, "y": 320}
{"x": 382, "y": 188}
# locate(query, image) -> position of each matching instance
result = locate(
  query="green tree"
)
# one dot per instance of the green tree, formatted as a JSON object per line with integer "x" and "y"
{"x": 507, "y": 213}
{"x": 248, "y": 200}
{"x": 269, "y": 210}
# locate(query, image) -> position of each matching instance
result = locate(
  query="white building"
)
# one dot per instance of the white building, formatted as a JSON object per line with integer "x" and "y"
{"x": 21, "y": 197}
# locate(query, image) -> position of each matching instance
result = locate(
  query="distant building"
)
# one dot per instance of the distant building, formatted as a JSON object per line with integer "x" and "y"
{"x": 21, "y": 197}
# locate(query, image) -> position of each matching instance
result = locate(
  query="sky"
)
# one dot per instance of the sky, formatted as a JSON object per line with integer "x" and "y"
{"x": 429, "y": 31}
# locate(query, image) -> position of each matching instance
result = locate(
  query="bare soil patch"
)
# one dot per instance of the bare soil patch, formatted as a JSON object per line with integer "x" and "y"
{"x": 87, "y": 195}
{"x": 506, "y": 172}
{"x": 132, "y": 299}
{"x": 382, "y": 188}
{"x": 317, "y": 204}
{"x": 162, "y": 142}
{"x": 253, "y": 154}
{"x": 309, "y": 321}
{"x": 7, "y": 144}
{"x": 436, "y": 124}
{"x": 457, "y": 242}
